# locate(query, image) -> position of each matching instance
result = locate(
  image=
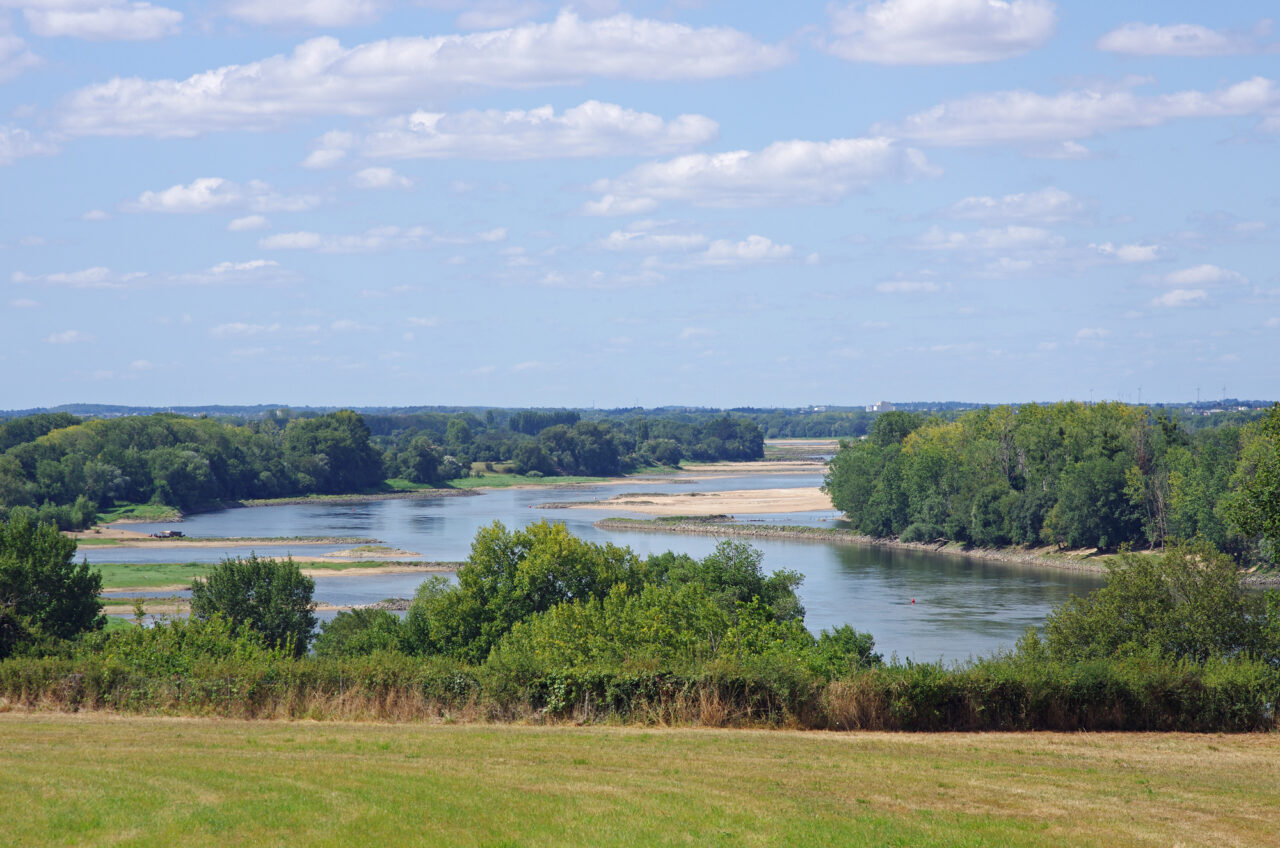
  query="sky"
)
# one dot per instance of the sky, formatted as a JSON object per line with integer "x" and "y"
{"x": 516, "y": 203}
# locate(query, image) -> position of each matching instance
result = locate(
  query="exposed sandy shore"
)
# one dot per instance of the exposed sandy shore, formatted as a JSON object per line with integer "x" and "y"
{"x": 740, "y": 502}
{"x": 738, "y": 469}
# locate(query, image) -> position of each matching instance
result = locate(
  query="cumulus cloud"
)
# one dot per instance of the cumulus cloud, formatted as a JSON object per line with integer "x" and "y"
{"x": 99, "y": 20}
{"x": 1180, "y": 297}
{"x": 786, "y": 172}
{"x": 248, "y": 222}
{"x": 1048, "y": 206}
{"x": 210, "y": 194}
{"x": 17, "y": 143}
{"x": 1013, "y": 237}
{"x": 1189, "y": 40}
{"x": 751, "y": 251}
{"x": 379, "y": 178}
{"x": 590, "y": 129}
{"x": 97, "y": 277}
{"x": 321, "y": 77}
{"x": 14, "y": 55}
{"x": 649, "y": 242}
{"x": 95, "y": 215}
{"x": 313, "y": 13}
{"x": 69, "y": 337}
{"x": 242, "y": 328}
{"x": 1205, "y": 275}
{"x": 938, "y": 32}
{"x": 1025, "y": 117}
{"x": 1128, "y": 252}
{"x": 1092, "y": 334}
{"x": 377, "y": 239}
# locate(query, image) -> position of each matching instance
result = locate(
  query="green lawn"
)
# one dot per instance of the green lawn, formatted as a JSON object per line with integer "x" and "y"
{"x": 141, "y": 576}
{"x": 97, "y": 779}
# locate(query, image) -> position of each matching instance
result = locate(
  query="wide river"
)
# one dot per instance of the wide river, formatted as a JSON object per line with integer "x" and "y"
{"x": 962, "y": 608}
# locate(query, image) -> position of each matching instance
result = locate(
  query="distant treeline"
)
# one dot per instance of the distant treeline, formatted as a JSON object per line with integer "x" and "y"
{"x": 66, "y": 470}
{"x": 1101, "y": 475}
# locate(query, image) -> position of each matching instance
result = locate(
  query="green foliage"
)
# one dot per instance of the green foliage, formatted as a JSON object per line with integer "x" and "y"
{"x": 270, "y": 596}
{"x": 1255, "y": 506}
{"x": 180, "y": 646}
{"x": 333, "y": 453}
{"x": 1186, "y": 603}
{"x": 359, "y": 632}
{"x": 44, "y": 595}
{"x": 510, "y": 575}
{"x": 1100, "y": 475}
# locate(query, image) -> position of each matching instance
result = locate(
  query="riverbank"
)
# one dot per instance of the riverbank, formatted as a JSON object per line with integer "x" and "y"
{"x": 735, "y": 502}
{"x": 1080, "y": 559}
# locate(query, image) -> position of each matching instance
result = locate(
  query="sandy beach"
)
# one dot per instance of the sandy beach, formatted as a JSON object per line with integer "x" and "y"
{"x": 740, "y": 502}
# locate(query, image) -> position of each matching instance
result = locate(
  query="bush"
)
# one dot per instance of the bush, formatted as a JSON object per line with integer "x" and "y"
{"x": 359, "y": 632}
{"x": 271, "y": 596}
{"x": 921, "y": 532}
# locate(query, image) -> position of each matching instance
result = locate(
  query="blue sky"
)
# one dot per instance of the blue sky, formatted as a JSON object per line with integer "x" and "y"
{"x": 511, "y": 202}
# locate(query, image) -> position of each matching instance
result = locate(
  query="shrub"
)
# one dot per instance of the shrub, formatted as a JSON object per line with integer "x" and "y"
{"x": 271, "y": 596}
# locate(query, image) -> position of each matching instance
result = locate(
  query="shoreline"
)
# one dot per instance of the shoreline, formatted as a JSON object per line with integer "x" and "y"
{"x": 831, "y": 535}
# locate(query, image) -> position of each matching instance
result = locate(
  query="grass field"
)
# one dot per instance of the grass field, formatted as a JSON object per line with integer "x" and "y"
{"x": 95, "y": 780}
{"x": 144, "y": 575}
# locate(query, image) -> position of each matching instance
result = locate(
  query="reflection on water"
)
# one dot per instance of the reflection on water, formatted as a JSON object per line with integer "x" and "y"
{"x": 962, "y": 607}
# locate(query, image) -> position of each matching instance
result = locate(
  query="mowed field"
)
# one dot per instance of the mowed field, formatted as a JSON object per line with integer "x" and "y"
{"x": 98, "y": 779}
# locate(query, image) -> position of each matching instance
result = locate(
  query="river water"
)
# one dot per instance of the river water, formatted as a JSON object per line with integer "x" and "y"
{"x": 962, "y": 608}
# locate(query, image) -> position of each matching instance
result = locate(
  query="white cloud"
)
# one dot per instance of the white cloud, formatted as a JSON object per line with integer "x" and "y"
{"x": 24, "y": 303}
{"x": 324, "y": 158}
{"x": 1273, "y": 322}
{"x": 1180, "y": 297}
{"x": 938, "y": 32}
{"x": 377, "y": 239}
{"x": 321, "y": 77}
{"x": 1204, "y": 275}
{"x": 14, "y": 55}
{"x": 1138, "y": 39}
{"x": 209, "y": 194}
{"x": 88, "y": 278}
{"x": 248, "y": 222}
{"x": 95, "y": 215}
{"x": 1128, "y": 252}
{"x": 314, "y": 13}
{"x": 69, "y": 337}
{"x": 291, "y": 241}
{"x": 16, "y": 143}
{"x": 908, "y": 287}
{"x": 100, "y": 20}
{"x": 1092, "y": 334}
{"x": 240, "y": 267}
{"x": 754, "y": 249}
{"x": 689, "y": 333}
{"x": 652, "y": 242}
{"x": 785, "y": 172}
{"x": 1024, "y": 117}
{"x": 1013, "y": 237}
{"x": 590, "y": 129}
{"x": 379, "y": 178}
{"x": 241, "y": 328}
{"x": 1048, "y": 206}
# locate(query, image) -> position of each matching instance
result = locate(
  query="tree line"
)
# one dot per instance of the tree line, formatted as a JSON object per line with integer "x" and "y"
{"x": 1082, "y": 475}
{"x": 66, "y": 470}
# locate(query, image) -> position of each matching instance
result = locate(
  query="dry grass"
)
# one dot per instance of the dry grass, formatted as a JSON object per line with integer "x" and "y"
{"x": 96, "y": 779}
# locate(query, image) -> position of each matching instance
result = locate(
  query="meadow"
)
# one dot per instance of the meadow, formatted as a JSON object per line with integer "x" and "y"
{"x": 95, "y": 779}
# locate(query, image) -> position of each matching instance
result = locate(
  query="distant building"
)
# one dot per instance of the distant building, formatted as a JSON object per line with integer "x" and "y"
{"x": 882, "y": 406}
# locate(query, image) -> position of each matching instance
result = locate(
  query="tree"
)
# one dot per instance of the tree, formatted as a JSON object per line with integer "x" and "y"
{"x": 271, "y": 596}
{"x": 1186, "y": 603}
{"x": 422, "y": 461}
{"x": 43, "y": 594}
{"x": 1254, "y": 506}
{"x": 359, "y": 632}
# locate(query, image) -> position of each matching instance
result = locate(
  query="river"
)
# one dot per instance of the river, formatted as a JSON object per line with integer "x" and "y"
{"x": 962, "y": 607}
